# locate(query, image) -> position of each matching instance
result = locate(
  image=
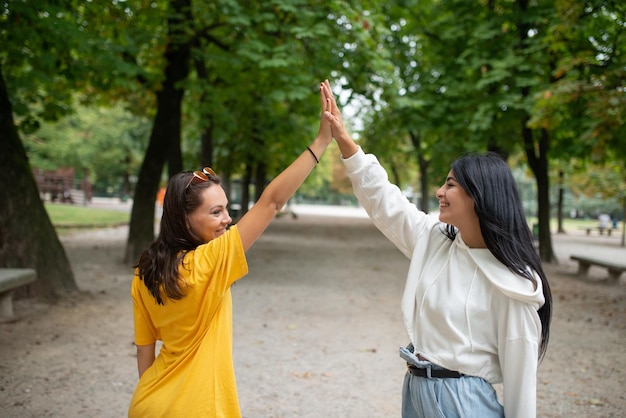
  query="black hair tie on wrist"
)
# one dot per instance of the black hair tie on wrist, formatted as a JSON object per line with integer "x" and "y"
{"x": 317, "y": 161}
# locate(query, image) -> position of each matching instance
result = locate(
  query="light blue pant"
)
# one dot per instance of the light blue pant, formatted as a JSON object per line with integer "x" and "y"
{"x": 464, "y": 397}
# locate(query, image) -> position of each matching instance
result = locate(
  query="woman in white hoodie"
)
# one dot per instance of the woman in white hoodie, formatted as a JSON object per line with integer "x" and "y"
{"x": 476, "y": 304}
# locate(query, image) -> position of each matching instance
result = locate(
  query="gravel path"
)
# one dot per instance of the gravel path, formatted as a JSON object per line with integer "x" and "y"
{"x": 317, "y": 329}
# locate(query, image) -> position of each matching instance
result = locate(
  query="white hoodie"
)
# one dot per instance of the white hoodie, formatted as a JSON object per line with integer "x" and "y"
{"x": 462, "y": 308}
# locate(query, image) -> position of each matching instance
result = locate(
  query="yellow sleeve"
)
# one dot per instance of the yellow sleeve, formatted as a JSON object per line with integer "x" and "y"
{"x": 145, "y": 331}
{"x": 222, "y": 260}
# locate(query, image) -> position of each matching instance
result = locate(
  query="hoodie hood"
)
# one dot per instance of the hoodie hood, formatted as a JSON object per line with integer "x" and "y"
{"x": 512, "y": 285}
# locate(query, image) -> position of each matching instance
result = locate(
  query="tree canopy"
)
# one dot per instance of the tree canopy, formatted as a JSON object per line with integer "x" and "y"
{"x": 124, "y": 89}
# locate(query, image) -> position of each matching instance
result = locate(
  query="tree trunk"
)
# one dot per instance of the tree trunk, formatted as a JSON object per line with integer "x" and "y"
{"x": 537, "y": 160}
{"x": 206, "y": 136}
{"x": 424, "y": 188}
{"x": 27, "y": 237}
{"x": 206, "y": 144}
{"x": 423, "y": 164}
{"x": 624, "y": 223}
{"x": 164, "y": 142}
{"x": 260, "y": 180}
{"x": 245, "y": 191}
{"x": 394, "y": 173}
{"x": 539, "y": 166}
{"x": 560, "y": 229}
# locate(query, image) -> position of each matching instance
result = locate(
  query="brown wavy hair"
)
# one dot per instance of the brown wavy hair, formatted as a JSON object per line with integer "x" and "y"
{"x": 158, "y": 264}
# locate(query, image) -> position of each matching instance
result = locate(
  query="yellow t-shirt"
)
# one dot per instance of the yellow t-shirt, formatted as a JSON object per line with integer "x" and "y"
{"x": 193, "y": 375}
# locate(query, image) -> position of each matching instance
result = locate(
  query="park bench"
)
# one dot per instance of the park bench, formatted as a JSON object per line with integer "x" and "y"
{"x": 56, "y": 185}
{"x": 615, "y": 269}
{"x": 600, "y": 229}
{"x": 10, "y": 279}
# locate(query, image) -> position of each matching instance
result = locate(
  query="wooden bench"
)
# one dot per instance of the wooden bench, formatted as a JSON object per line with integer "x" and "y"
{"x": 56, "y": 184}
{"x": 600, "y": 229}
{"x": 615, "y": 269}
{"x": 10, "y": 279}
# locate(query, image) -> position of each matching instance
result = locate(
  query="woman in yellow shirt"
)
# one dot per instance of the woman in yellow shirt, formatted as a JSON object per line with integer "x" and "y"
{"x": 181, "y": 290}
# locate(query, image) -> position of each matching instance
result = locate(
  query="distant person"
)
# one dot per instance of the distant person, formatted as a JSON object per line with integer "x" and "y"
{"x": 604, "y": 220}
{"x": 181, "y": 291}
{"x": 476, "y": 303}
{"x": 87, "y": 188}
{"x": 160, "y": 196}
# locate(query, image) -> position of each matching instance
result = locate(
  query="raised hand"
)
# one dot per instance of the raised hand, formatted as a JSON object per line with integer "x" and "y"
{"x": 325, "y": 131}
{"x": 333, "y": 115}
{"x": 332, "y": 112}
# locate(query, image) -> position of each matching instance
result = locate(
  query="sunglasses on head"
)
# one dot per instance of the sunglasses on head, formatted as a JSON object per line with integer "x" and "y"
{"x": 201, "y": 176}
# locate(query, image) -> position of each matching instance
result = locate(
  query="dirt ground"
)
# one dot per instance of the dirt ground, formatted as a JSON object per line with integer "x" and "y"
{"x": 317, "y": 328}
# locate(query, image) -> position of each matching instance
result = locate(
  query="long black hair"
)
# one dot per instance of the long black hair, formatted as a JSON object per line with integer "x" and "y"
{"x": 488, "y": 180}
{"x": 158, "y": 264}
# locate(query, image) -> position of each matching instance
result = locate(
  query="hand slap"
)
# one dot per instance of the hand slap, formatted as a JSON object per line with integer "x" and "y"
{"x": 331, "y": 110}
{"x": 325, "y": 130}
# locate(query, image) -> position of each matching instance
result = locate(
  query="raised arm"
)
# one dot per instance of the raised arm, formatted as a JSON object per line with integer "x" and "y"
{"x": 280, "y": 190}
{"x": 347, "y": 146}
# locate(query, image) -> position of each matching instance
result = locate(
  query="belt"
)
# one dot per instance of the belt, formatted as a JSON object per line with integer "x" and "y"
{"x": 428, "y": 372}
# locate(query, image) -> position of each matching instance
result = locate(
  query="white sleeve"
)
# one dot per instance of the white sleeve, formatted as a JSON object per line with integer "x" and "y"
{"x": 520, "y": 333}
{"x": 392, "y": 213}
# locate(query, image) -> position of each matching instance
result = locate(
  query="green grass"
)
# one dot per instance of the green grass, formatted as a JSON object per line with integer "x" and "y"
{"x": 64, "y": 216}
{"x": 75, "y": 216}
